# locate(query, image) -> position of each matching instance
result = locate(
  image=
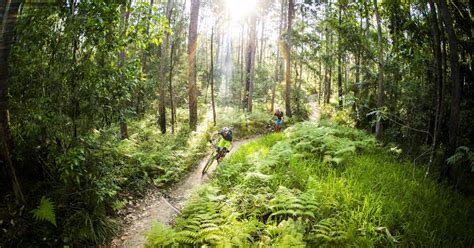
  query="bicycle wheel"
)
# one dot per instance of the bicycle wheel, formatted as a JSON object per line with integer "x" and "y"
{"x": 208, "y": 164}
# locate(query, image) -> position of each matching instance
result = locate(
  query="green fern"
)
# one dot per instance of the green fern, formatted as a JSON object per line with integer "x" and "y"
{"x": 330, "y": 230}
{"x": 45, "y": 211}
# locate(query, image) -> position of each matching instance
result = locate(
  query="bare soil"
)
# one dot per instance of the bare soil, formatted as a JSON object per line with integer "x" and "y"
{"x": 165, "y": 206}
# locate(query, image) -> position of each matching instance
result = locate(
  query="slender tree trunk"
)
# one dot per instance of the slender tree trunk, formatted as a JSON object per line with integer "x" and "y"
{"x": 140, "y": 108}
{"x": 291, "y": 5}
{"x": 356, "y": 87}
{"x": 380, "y": 96}
{"x": 438, "y": 75}
{"x": 122, "y": 58}
{"x": 170, "y": 87}
{"x": 242, "y": 73}
{"x": 339, "y": 62}
{"x": 277, "y": 62}
{"x": 9, "y": 11}
{"x": 328, "y": 77}
{"x": 262, "y": 18}
{"x": 250, "y": 62}
{"x": 164, "y": 56}
{"x": 367, "y": 55}
{"x": 211, "y": 73}
{"x": 328, "y": 64}
{"x": 192, "y": 48}
{"x": 456, "y": 83}
{"x": 174, "y": 47}
{"x": 320, "y": 92}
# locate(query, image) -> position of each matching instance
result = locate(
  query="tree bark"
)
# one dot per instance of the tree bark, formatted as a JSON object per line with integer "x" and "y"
{"x": 328, "y": 64}
{"x": 211, "y": 75}
{"x": 291, "y": 5}
{"x": 192, "y": 48}
{"x": 262, "y": 19}
{"x": 164, "y": 56}
{"x": 277, "y": 62}
{"x": 9, "y": 11}
{"x": 438, "y": 75}
{"x": 339, "y": 62}
{"x": 380, "y": 95}
{"x": 140, "y": 108}
{"x": 122, "y": 58}
{"x": 170, "y": 86}
{"x": 174, "y": 47}
{"x": 356, "y": 87}
{"x": 250, "y": 63}
{"x": 456, "y": 84}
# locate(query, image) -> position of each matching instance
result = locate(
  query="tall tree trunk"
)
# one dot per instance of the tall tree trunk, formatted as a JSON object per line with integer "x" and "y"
{"x": 328, "y": 72}
{"x": 438, "y": 75}
{"x": 192, "y": 48}
{"x": 380, "y": 96}
{"x": 367, "y": 52}
{"x": 250, "y": 62}
{"x": 320, "y": 90}
{"x": 356, "y": 87}
{"x": 339, "y": 62}
{"x": 242, "y": 73}
{"x": 456, "y": 84}
{"x": 328, "y": 64}
{"x": 164, "y": 56}
{"x": 122, "y": 58}
{"x": 170, "y": 87}
{"x": 291, "y": 5}
{"x": 9, "y": 11}
{"x": 262, "y": 19}
{"x": 174, "y": 47}
{"x": 277, "y": 62}
{"x": 211, "y": 75}
{"x": 140, "y": 108}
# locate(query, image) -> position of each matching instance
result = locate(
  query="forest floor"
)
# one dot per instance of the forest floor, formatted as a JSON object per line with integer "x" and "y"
{"x": 165, "y": 206}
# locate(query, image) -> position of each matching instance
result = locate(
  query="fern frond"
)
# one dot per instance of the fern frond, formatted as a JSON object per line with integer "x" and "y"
{"x": 45, "y": 211}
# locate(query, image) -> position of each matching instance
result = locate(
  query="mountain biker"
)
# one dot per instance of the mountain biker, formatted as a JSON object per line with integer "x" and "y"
{"x": 279, "y": 121}
{"x": 225, "y": 143}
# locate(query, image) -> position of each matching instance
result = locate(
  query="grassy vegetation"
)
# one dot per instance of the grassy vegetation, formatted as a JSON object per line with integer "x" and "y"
{"x": 89, "y": 182}
{"x": 319, "y": 186}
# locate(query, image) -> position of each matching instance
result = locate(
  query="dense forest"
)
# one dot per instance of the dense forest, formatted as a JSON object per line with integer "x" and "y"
{"x": 105, "y": 102}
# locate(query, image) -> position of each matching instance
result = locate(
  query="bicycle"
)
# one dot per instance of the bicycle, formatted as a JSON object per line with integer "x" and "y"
{"x": 217, "y": 154}
{"x": 273, "y": 127}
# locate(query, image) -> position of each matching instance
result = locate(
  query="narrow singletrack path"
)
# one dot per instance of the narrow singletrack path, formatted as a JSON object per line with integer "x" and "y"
{"x": 164, "y": 207}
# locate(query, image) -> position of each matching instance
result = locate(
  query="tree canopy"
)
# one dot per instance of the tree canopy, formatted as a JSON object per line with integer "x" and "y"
{"x": 103, "y": 101}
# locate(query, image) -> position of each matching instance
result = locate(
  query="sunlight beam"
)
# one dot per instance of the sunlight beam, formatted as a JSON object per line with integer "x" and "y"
{"x": 239, "y": 9}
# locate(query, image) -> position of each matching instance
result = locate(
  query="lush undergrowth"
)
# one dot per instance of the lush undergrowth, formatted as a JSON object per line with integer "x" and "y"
{"x": 85, "y": 185}
{"x": 319, "y": 186}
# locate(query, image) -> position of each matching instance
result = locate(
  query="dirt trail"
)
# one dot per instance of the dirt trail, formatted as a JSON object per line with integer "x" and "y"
{"x": 164, "y": 207}
{"x": 316, "y": 114}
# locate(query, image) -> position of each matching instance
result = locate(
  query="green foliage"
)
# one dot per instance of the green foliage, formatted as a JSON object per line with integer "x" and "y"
{"x": 462, "y": 155}
{"x": 243, "y": 123}
{"x": 331, "y": 145}
{"x": 45, "y": 211}
{"x": 281, "y": 191}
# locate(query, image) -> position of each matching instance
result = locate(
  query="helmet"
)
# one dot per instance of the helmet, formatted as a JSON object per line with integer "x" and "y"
{"x": 277, "y": 111}
{"x": 225, "y": 130}
{"x": 226, "y": 133}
